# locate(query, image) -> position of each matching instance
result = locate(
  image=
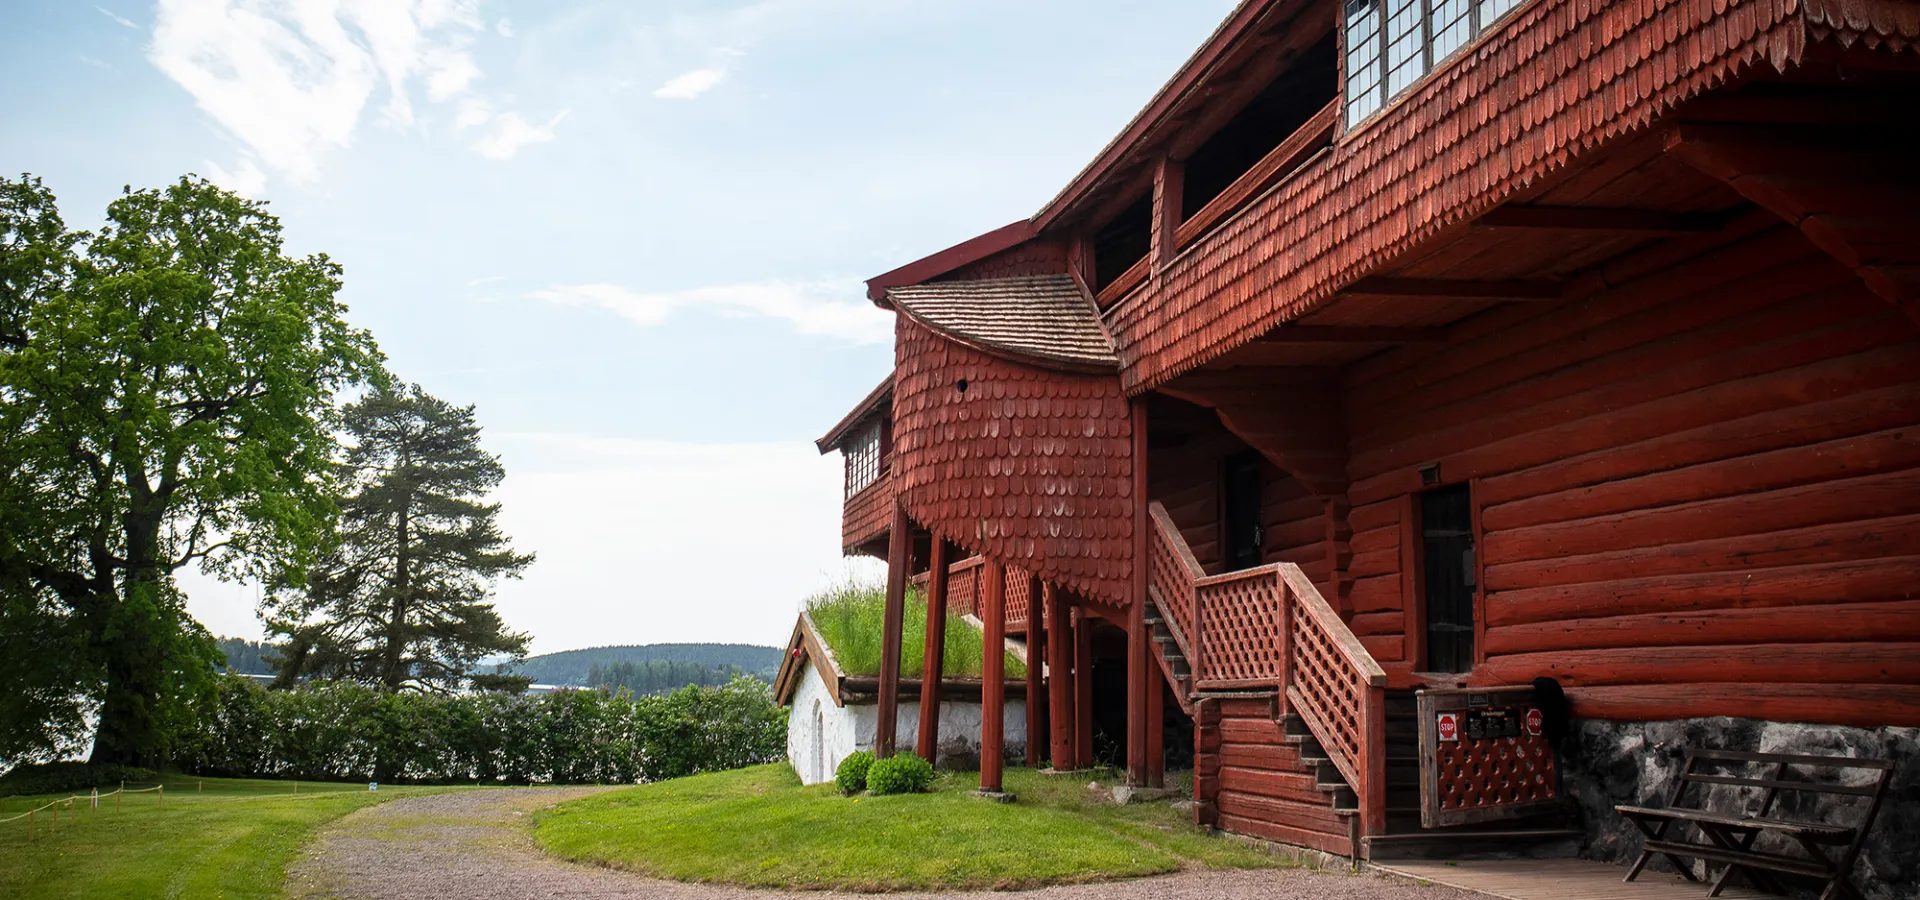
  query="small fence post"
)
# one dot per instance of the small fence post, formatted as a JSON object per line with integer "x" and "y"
{"x": 95, "y": 802}
{"x": 116, "y": 795}
{"x": 162, "y": 789}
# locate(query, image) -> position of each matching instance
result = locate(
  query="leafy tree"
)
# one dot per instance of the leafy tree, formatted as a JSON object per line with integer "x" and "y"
{"x": 401, "y": 598}
{"x": 166, "y": 399}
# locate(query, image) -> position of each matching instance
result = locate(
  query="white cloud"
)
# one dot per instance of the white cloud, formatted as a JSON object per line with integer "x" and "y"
{"x": 828, "y": 309}
{"x": 509, "y": 132}
{"x": 291, "y": 78}
{"x": 119, "y": 19}
{"x": 489, "y": 279}
{"x": 596, "y": 510}
{"x": 504, "y": 27}
{"x": 690, "y": 84}
{"x": 245, "y": 179}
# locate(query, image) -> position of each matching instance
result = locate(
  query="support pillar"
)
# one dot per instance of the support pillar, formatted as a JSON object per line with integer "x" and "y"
{"x": 1082, "y": 689}
{"x": 993, "y": 674}
{"x": 1139, "y": 641}
{"x": 899, "y": 569}
{"x": 1156, "y": 727}
{"x": 933, "y": 659}
{"x": 1036, "y": 690}
{"x": 1060, "y": 681}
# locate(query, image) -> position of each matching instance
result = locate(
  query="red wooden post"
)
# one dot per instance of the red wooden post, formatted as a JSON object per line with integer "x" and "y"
{"x": 993, "y": 673}
{"x": 899, "y": 564}
{"x": 1373, "y": 797}
{"x": 1082, "y": 689}
{"x": 1060, "y": 681}
{"x": 933, "y": 661}
{"x": 1156, "y": 727}
{"x": 1168, "y": 196}
{"x": 1139, "y": 642}
{"x": 1036, "y": 690}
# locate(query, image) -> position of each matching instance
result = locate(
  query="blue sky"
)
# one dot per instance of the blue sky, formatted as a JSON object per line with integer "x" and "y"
{"x": 631, "y": 232}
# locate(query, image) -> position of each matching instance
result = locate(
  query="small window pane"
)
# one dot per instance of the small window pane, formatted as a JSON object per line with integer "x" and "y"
{"x": 1363, "y": 58}
{"x": 863, "y": 459}
{"x": 1406, "y": 57}
{"x": 1452, "y": 27}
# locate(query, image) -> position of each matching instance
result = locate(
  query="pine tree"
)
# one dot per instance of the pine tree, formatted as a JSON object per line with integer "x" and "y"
{"x": 400, "y": 600}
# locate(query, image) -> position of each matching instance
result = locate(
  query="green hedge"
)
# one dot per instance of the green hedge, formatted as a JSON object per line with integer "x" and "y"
{"x": 851, "y": 776}
{"x": 348, "y": 732}
{"x": 902, "y": 773}
{"x": 69, "y": 777}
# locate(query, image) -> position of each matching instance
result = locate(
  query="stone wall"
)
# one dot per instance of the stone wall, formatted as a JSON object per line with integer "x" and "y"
{"x": 1635, "y": 763}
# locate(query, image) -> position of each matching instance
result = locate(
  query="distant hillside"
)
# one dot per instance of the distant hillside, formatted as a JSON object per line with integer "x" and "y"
{"x": 574, "y": 666}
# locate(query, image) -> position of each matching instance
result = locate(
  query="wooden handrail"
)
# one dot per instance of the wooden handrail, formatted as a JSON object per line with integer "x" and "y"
{"x": 1314, "y": 605}
{"x": 1128, "y": 280}
{"x": 1312, "y": 134}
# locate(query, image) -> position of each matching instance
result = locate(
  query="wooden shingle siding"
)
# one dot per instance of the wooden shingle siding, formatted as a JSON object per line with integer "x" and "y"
{"x": 1028, "y": 465}
{"x": 1699, "y": 492}
{"x": 1556, "y": 79}
{"x": 867, "y": 515}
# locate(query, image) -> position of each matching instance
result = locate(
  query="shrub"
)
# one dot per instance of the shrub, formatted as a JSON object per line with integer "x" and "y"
{"x": 68, "y": 777}
{"x": 902, "y": 773}
{"x": 852, "y": 774}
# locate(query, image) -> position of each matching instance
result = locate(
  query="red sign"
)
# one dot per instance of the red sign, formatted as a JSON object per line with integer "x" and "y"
{"x": 1448, "y": 724}
{"x": 1534, "y": 722}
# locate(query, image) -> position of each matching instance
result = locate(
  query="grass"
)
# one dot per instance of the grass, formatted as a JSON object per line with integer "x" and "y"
{"x": 849, "y": 619}
{"x": 759, "y": 827}
{"x": 214, "y": 837}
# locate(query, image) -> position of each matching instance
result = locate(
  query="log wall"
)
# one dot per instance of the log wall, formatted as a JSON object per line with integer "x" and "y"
{"x": 1187, "y": 481}
{"x": 1696, "y": 494}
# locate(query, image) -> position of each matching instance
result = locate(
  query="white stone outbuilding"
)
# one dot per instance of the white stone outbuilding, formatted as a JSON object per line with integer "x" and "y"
{"x": 833, "y": 715}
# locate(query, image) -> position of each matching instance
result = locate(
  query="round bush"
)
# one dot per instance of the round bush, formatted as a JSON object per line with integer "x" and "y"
{"x": 903, "y": 773}
{"x": 851, "y": 776}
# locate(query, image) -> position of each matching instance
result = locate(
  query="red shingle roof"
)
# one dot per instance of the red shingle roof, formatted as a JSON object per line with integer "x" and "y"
{"x": 1045, "y": 319}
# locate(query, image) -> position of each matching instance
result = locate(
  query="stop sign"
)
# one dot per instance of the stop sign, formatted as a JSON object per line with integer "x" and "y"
{"x": 1534, "y": 722}
{"x": 1448, "y": 724}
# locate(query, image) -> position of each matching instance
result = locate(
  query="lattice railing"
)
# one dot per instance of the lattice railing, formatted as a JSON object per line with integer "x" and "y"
{"x": 1269, "y": 628}
{"x": 963, "y": 591}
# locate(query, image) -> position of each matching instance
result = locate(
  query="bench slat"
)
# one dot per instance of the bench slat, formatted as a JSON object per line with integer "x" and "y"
{"x": 1826, "y": 834}
{"x": 1857, "y": 790}
{"x": 1753, "y": 858}
{"x": 1839, "y": 762}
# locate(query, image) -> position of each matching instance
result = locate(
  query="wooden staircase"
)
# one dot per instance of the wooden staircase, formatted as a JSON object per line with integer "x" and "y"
{"x": 1322, "y": 675}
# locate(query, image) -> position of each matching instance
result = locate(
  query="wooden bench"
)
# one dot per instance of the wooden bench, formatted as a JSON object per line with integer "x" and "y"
{"x": 1730, "y": 838}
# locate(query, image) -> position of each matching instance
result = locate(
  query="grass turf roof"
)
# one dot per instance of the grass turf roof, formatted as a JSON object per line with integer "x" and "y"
{"x": 761, "y": 828}
{"x": 848, "y": 618}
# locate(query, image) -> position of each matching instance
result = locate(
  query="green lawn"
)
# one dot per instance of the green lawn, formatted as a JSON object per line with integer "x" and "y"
{"x": 760, "y": 827}
{"x": 213, "y": 838}
{"x": 849, "y": 619}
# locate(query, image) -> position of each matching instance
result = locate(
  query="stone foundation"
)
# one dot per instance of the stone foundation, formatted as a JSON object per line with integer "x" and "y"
{"x": 1635, "y": 763}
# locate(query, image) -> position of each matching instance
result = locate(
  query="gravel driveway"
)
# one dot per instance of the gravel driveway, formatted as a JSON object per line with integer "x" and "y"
{"x": 474, "y": 845}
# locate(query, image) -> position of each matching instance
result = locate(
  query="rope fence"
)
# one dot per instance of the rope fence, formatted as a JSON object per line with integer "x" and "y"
{"x": 71, "y": 805}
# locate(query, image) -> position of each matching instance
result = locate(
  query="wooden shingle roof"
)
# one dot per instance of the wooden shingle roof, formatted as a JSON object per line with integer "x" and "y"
{"x": 1044, "y": 319}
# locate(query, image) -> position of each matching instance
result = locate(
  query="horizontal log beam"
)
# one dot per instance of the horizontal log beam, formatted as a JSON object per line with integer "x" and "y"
{"x": 1351, "y": 334}
{"x": 1453, "y": 289}
{"x": 1582, "y": 218}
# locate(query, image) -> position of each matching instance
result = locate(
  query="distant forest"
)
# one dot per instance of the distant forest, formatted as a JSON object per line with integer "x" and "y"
{"x": 246, "y": 657}
{"x": 629, "y": 666}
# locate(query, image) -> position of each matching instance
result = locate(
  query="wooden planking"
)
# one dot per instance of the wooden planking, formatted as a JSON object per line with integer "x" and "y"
{"x": 1869, "y": 705}
{"x": 1836, "y": 663}
{"x": 1845, "y": 581}
{"x": 1259, "y": 783}
{"x": 1890, "y": 620}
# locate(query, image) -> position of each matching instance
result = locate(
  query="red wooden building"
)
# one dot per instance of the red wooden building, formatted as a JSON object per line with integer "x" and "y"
{"x": 1429, "y": 345}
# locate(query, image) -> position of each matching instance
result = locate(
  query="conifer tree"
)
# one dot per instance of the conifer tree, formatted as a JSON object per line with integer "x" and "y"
{"x": 401, "y": 598}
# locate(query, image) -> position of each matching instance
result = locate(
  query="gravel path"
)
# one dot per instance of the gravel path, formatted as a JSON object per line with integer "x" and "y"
{"x": 474, "y": 845}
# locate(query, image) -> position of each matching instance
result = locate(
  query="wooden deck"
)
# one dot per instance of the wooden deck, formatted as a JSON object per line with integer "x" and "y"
{"x": 1558, "y": 879}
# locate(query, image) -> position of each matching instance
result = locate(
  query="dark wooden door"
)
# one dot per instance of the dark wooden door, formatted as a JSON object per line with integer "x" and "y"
{"x": 1242, "y": 533}
{"x": 1446, "y": 520}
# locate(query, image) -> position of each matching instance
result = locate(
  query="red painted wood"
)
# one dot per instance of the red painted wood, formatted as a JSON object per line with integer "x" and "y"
{"x": 1060, "y": 690}
{"x": 1140, "y": 692}
{"x": 1036, "y": 697}
{"x": 968, "y": 251}
{"x": 1083, "y": 688}
{"x": 893, "y": 618}
{"x": 993, "y": 675}
{"x": 933, "y": 658}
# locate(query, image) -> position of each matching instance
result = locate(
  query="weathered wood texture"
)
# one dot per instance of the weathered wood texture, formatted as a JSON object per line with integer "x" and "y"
{"x": 1253, "y": 778}
{"x": 1699, "y": 491}
{"x": 1186, "y": 480}
{"x": 1557, "y": 77}
{"x": 867, "y": 514}
{"x": 1028, "y": 466}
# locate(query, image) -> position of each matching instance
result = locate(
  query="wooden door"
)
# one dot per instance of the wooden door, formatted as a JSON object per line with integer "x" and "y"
{"x": 1446, "y": 522}
{"x": 1242, "y": 532}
